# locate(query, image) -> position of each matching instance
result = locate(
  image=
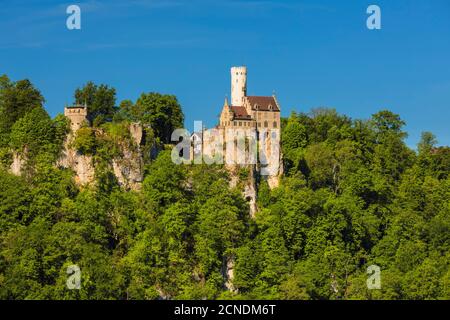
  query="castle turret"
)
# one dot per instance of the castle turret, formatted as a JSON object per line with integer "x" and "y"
{"x": 77, "y": 115}
{"x": 238, "y": 85}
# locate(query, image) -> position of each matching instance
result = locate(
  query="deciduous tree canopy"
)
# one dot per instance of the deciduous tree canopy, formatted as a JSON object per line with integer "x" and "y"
{"x": 353, "y": 195}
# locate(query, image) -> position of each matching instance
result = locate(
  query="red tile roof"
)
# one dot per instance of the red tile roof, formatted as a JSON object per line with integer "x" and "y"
{"x": 240, "y": 112}
{"x": 263, "y": 103}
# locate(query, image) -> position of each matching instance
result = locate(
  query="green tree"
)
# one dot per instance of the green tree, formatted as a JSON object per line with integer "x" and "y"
{"x": 427, "y": 142}
{"x": 164, "y": 184}
{"x": 85, "y": 141}
{"x": 16, "y": 99}
{"x": 161, "y": 112}
{"x": 100, "y": 100}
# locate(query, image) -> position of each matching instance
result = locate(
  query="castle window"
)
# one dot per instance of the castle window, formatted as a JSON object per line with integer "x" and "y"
{"x": 240, "y": 124}
{"x": 266, "y": 124}
{"x": 234, "y": 123}
{"x": 274, "y": 124}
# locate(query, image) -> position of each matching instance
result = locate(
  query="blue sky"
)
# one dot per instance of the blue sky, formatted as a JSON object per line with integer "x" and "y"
{"x": 311, "y": 53}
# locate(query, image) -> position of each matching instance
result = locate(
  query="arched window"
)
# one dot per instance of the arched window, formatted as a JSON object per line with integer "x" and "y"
{"x": 266, "y": 124}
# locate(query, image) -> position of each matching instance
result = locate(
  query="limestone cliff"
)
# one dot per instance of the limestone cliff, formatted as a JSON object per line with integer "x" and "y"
{"x": 228, "y": 273}
{"x": 81, "y": 164}
{"x": 128, "y": 167}
{"x": 244, "y": 179}
{"x": 18, "y": 163}
{"x": 250, "y": 194}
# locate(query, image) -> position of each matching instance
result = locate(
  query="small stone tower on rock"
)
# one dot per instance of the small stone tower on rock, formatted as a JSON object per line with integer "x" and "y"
{"x": 77, "y": 115}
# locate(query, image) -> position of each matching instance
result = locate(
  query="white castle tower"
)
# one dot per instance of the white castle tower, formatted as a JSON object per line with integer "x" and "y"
{"x": 238, "y": 85}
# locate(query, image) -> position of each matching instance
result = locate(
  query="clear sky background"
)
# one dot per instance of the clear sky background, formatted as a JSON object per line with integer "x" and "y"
{"x": 311, "y": 53}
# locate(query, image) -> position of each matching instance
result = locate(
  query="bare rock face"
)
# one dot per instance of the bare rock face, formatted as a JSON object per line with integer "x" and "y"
{"x": 84, "y": 170}
{"x": 228, "y": 273}
{"x": 250, "y": 194}
{"x": 248, "y": 186}
{"x": 233, "y": 180}
{"x": 17, "y": 164}
{"x": 136, "y": 132}
{"x": 82, "y": 165}
{"x": 273, "y": 182}
{"x": 129, "y": 169}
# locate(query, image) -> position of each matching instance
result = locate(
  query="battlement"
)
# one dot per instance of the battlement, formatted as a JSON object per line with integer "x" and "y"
{"x": 77, "y": 115}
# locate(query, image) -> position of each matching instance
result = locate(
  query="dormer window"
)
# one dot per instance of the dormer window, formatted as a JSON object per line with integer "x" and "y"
{"x": 270, "y": 107}
{"x": 256, "y": 107}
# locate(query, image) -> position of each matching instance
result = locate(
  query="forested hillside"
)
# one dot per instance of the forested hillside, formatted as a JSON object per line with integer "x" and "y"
{"x": 352, "y": 195}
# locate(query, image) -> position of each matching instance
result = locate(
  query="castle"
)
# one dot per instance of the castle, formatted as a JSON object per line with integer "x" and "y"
{"x": 248, "y": 111}
{"x": 247, "y": 124}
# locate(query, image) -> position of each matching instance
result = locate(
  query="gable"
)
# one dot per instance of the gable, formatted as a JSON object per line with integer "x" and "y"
{"x": 262, "y": 103}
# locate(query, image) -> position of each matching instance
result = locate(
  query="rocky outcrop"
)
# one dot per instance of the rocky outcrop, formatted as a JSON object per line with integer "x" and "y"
{"x": 17, "y": 164}
{"x": 128, "y": 168}
{"x": 248, "y": 186}
{"x": 228, "y": 273}
{"x": 136, "y": 132}
{"x": 274, "y": 180}
{"x": 82, "y": 165}
{"x": 250, "y": 193}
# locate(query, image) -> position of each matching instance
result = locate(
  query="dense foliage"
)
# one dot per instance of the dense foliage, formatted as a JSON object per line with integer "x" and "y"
{"x": 352, "y": 195}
